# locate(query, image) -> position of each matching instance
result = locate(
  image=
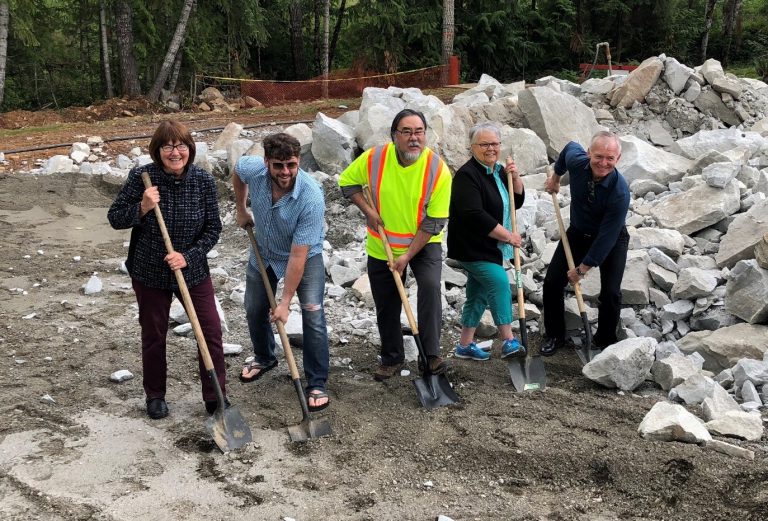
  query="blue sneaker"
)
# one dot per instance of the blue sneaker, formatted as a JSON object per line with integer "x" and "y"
{"x": 471, "y": 352}
{"x": 512, "y": 347}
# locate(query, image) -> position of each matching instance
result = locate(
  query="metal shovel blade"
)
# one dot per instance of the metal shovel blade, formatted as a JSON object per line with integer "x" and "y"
{"x": 528, "y": 374}
{"x": 309, "y": 429}
{"x": 434, "y": 390}
{"x": 228, "y": 429}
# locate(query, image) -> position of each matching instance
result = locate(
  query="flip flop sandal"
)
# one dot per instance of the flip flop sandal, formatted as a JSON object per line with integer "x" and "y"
{"x": 247, "y": 374}
{"x": 317, "y": 394}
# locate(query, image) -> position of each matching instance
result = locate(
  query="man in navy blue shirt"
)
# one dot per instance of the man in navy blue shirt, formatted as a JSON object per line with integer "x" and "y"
{"x": 597, "y": 236}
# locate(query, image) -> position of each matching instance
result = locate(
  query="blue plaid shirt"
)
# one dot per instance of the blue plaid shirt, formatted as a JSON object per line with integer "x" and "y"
{"x": 297, "y": 218}
{"x": 191, "y": 213}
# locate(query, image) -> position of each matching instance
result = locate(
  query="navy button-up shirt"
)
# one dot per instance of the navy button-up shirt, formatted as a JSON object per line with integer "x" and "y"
{"x": 601, "y": 216}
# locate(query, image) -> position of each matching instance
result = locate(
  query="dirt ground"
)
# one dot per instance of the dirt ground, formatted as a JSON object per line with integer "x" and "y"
{"x": 571, "y": 452}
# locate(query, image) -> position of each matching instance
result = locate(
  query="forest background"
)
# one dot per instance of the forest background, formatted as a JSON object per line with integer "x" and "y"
{"x": 57, "y": 53}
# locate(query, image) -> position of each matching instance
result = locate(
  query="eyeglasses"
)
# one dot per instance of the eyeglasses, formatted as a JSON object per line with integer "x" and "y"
{"x": 290, "y": 165}
{"x": 407, "y": 132}
{"x": 181, "y": 147}
{"x": 486, "y": 146}
{"x": 590, "y": 191}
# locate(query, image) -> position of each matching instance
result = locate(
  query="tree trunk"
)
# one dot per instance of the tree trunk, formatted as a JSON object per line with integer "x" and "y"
{"x": 732, "y": 10}
{"x": 297, "y": 40}
{"x": 318, "y": 51}
{"x": 3, "y": 45}
{"x": 173, "y": 49}
{"x": 326, "y": 35}
{"x": 448, "y": 32}
{"x": 129, "y": 75}
{"x": 708, "y": 16}
{"x": 336, "y": 31}
{"x": 176, "y": 68}
{"x": 105, "y": 49}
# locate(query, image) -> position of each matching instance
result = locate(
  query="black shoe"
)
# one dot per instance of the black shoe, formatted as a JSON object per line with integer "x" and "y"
{"x": 157, "y": 408}
{"x": 551, "y": 345}
{"x": 212, "y": 405}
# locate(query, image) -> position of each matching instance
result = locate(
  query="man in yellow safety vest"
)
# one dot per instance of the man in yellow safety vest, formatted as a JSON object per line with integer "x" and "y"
{"x": 411, "y": 190}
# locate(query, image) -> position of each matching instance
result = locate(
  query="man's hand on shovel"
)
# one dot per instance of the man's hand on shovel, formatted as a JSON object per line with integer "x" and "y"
{"x": 281, "y": 312}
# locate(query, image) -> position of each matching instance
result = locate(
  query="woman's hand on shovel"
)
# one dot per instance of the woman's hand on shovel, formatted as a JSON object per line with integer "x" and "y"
{"x": 149, "y": 200}
{"x": 176, "y": 261}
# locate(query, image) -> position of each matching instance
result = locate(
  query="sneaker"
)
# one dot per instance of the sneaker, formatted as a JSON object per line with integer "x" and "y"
{"x": 471, "y": 352}
{"x": 512, "y": 347}
{"x": 385, "y": 372}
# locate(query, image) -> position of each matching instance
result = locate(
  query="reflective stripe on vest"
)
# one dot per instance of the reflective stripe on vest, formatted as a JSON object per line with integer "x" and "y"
{"x": 376, "y": 161}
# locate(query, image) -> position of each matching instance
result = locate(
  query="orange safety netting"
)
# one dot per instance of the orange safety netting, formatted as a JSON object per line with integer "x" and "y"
{"x": 278, "y": 92}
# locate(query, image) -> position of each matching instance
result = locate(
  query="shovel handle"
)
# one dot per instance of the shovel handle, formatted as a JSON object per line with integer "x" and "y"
{"x": 568, "y": 256}
{"x": 395, "y": 274}
{"x": 273, "y": 305}
{"x": 189, "y": 308}
{"x": 518, "y": 272}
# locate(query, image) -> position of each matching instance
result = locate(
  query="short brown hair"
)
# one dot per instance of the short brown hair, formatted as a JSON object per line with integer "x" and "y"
{"x": 170, "y": 131}
{"x": 281, "y": 146}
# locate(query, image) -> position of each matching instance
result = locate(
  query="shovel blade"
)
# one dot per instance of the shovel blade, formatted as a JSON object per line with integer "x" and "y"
{"x": 228, "y": 429}
{"x": 528, "y": 374}
{"x": 435, "y": 391}
{"x": 583, "y": 353}
{"x": 309, "y": 429}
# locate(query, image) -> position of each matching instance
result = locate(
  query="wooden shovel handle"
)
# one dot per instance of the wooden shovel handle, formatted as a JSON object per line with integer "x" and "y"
{"x": 568, "y": 256}
{"x": 190, "y": 309}
{"x": 518, "y": 274}
{"x": 273, "y": 305}
{"x": 395, "y": 274}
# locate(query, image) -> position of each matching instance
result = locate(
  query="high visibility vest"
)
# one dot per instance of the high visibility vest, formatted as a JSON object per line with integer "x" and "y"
{"x": 376, "y": 161}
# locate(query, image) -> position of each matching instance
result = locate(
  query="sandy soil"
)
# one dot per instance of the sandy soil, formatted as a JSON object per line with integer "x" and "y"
{"x": 571, "y": 452}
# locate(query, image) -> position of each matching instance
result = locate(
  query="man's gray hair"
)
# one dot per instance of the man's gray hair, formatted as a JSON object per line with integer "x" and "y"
{"x": 605, "y": 134}
{"x": 481, "y": 127}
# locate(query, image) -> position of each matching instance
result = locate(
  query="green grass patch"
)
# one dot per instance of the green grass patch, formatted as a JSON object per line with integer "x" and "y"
{"x": 745, "y": 70}
{"x": 7, "y": 133}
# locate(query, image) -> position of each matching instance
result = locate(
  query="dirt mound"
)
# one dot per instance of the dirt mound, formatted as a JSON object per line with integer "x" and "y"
{"x": 109, "y": 109}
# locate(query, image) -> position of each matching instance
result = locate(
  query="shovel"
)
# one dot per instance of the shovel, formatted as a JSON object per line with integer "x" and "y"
{"x": 586, "y": 353}
{"x": 309, "y": 428}
{"x": 434, "y": 390}
{"x": 227, "y": 426}
{"x": 527, "y": 374}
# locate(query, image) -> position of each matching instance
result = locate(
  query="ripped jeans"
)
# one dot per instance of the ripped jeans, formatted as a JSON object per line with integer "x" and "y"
{"x": 315, "y": 333}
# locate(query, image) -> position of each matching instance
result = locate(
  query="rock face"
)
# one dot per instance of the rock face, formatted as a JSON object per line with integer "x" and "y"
{"x": 625, "y": 365}
{"x": 557, "y": 118}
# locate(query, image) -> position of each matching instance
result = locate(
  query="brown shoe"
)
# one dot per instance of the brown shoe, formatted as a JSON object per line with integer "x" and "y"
{"x": 385, "y": 372}
{"x": 437, "y": 365}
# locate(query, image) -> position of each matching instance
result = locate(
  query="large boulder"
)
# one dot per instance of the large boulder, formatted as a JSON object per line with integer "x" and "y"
{"x": 676, "y": 75}
{"x": 641, "y": 160}
{"x": 625, "y": 365}
{"x": 230, "y": 133}
{"x": 452, "y": 125}
{"x": 638, "y": 84}
{"x": 697, "y": 208}
{"x": 721, "y": 349}
{"x": 672, "y": 422}
{"x": 747, "y": 292}
{"x": 557, "y": 118}
{"x": 525, "y": 147}
{"x": 333, "y": 144}
{"x": 744, "y": 233}
{"x": 710, "y": 103}
{"x": 720, "y": 140}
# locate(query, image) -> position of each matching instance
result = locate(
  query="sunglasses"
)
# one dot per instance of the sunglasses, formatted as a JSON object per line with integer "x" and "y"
{"x": 278, "y": 165}
{"x": 590, "y": 191}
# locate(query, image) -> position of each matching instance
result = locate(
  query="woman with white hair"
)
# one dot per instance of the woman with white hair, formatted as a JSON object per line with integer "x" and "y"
{"x": 480, "y": 237}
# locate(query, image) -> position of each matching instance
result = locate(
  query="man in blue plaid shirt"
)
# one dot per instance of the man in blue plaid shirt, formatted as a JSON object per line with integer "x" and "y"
{"x": 288, "y": 215}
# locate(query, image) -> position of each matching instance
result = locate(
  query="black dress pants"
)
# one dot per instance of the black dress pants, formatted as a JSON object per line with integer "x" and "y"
{"x": 611, "y": 275}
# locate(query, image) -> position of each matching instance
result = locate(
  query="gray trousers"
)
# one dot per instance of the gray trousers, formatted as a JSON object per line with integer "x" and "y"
{"x": 426, "y": 267}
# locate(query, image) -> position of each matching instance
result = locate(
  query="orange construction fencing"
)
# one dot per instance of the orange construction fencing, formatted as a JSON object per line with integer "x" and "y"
{"x": 278, "y": 92}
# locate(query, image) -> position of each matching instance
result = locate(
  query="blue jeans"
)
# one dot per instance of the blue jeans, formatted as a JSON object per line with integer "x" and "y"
{"x": 310, "y": 293}
{"x": 487, "y": 286}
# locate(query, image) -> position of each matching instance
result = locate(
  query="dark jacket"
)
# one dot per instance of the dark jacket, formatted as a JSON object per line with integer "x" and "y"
{"x": 600, "y": 215}
{"x": 476, "y": 208}
{"x": 191, "y": 213}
